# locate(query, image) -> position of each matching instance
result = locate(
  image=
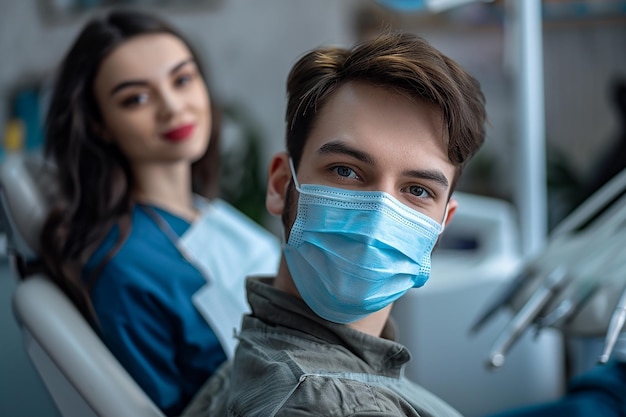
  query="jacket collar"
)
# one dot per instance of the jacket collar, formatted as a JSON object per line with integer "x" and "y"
{"x": 272, "y": 305}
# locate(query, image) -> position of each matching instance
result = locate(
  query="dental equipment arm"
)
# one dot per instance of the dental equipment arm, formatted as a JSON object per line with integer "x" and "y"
{"x": 591, "y": 300}
{"x": 615, "y": 327}
{"x": 526, "y": 315}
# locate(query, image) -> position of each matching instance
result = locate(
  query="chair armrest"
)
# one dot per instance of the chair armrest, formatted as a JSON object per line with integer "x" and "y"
{"x": 76, "y": 350}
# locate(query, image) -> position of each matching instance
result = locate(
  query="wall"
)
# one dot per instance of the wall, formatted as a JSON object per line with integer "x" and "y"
{"x": 580, "y": 63}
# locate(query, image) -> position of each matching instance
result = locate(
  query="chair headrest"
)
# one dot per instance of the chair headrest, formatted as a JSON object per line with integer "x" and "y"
{"x": 27, "y": 191}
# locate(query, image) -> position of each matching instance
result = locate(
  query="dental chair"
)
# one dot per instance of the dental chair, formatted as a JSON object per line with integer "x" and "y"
{"x": 81, "y": 374}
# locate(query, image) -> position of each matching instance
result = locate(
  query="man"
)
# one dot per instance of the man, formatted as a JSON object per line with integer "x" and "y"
{"x": 377, "y": 137}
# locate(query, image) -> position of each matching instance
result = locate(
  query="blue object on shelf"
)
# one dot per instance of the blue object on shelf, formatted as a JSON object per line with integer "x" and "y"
{"x": 26, "y": 108}
{"x": 404, "y": 5}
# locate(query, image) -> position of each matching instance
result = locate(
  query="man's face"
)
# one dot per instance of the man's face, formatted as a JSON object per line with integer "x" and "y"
{"x": 370, "y": 139}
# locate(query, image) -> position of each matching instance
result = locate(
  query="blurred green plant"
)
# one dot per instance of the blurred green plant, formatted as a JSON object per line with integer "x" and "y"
{"x": 242, "y": 183}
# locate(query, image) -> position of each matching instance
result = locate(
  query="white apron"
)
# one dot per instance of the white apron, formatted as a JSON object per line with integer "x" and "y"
{"x": 226, "y": 246}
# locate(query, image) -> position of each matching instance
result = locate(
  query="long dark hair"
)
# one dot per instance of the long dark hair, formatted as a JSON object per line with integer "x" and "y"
{"x": 94, "y": 177}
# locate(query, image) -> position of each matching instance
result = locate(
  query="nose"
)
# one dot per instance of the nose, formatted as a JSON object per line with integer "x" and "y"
{"x": 170, "y": 104}
{"x": 385, "y": 184}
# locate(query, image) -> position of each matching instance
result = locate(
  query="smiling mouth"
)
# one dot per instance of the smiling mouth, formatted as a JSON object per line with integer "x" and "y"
{"x": 180, "y": 133}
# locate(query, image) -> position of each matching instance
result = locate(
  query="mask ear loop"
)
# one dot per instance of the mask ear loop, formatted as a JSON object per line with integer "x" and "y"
{"x": 297, "y": 185}
{"x": 445, "y": 219}
{"x": 293, "y": 174}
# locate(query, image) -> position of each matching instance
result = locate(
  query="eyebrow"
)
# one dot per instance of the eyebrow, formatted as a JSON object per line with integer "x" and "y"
{"x": 337, "y": 147}
{"x": 143, "y": 83}
{"x": 429, "y": 174}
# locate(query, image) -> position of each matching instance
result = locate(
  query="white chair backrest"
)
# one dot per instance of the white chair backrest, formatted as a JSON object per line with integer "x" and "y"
{"x": 27, "y": 189}
{"x": 82, "y": 376}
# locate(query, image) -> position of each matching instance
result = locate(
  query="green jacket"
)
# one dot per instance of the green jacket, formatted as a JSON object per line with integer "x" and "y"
{"x": 290, "y": 362}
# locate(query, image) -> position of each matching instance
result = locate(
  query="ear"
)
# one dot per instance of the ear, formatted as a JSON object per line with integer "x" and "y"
{"x": 453, "y": 203}
{"x": 278, "y": 179}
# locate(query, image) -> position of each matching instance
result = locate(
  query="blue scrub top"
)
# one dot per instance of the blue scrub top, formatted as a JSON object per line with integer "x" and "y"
{"x": 142, "y": 299}
{"x": 600, "y": 391}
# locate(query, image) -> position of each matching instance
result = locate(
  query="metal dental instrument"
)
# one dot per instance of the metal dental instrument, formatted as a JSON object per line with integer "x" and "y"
{"x": 593, "y": 270}
{"x": 526, "y": 315}
{"x": 568, "y": 307}
{"x": 502, "y": 299}
{"x": 615, "y": 328}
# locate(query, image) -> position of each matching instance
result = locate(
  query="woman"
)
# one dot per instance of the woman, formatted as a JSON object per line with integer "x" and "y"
{"x": 131, "y": 131}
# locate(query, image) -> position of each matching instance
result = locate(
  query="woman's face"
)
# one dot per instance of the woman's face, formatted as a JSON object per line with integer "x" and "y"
{"x": 154, "y": 103}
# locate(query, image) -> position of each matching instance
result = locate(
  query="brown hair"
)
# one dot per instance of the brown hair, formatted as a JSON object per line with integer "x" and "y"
{"x": 403, "y": 62}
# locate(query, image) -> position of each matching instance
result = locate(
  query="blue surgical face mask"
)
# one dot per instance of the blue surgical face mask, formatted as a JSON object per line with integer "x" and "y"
{"x": 351, "y": 253}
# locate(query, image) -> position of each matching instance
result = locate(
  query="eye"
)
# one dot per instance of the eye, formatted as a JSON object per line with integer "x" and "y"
{"x": 419, "y": 191}
{"x": 345, "y": 172}
{"x": 135, "y": 100}
{"x": 183, "y": 80}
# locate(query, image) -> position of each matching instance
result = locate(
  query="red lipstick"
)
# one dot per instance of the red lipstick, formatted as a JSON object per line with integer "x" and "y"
{"x": 180, "y": 133}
